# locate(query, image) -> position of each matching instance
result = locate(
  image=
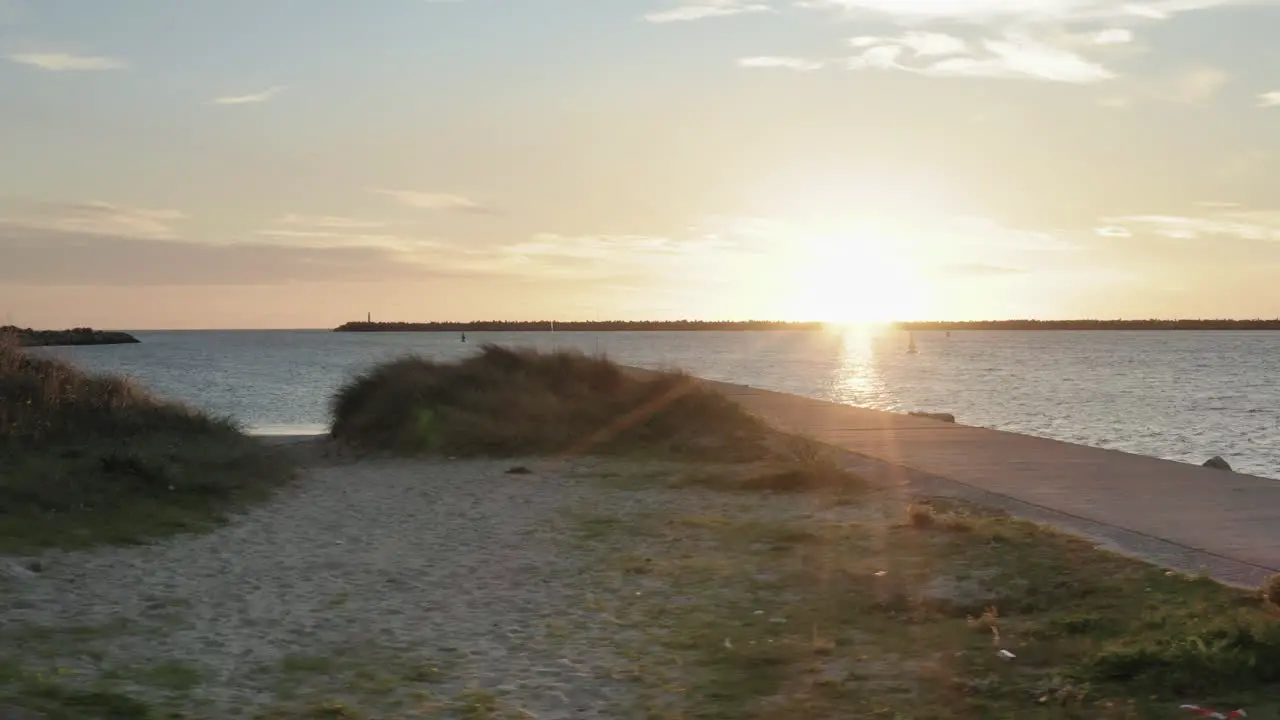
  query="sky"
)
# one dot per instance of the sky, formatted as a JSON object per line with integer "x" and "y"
{"x": 300, "y": 163}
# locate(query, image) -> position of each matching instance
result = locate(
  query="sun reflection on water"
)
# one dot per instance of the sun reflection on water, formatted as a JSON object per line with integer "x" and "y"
{"x": 858, "y": 380}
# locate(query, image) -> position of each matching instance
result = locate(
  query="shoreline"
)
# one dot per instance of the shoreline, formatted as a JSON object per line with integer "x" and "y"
{"x": 1179, "y": 515}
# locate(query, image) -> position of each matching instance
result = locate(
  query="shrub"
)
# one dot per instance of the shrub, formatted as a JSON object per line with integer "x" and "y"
{"x": 1201, "y": 656}
{"x": 1270, "y": 590}
{"x": 513, "y": 402}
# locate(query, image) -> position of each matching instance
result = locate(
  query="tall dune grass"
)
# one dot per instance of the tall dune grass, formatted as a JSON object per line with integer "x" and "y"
{"x": 515, "y": 402}
{"x": 87, "y": 458}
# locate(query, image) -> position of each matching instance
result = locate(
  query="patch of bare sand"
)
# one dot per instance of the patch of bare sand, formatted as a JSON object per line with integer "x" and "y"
{"x": 394, "y": 586}
{"x": 401, "y": 588}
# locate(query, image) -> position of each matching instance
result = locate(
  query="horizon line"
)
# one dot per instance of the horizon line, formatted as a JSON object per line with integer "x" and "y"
{"x": 1152, "y": 320}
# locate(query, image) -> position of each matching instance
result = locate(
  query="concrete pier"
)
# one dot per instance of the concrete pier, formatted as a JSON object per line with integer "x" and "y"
{"x": 1182, "y": 516}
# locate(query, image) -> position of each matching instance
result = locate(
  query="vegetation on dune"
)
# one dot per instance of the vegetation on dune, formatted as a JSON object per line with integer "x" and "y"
{"x": 95, "y": 458}
{"x": 514, "y": 402}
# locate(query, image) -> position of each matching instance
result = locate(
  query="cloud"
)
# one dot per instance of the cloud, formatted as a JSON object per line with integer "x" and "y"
{"x": 1113, "y": 36}
{"x": 1015, "y": 56}
{"x": 323, "y": 239}
{"x": 440, "y": 202}
{"x": 1023, "y": 57}
{"x": 974, "y": 232}
{"x": 326, "y": 221}
{"x": 783, "y": 63}
{"x": 62, "y": 62}
{"x": 258, "y": 97}
{"x": 40, "y": 256}
{"x": 1269, "y": 99}
{"x": 707, "y": 9}
{"x": 1259, "y": 225}
{"x": 1113, "y": 231}
{"x": 549, "y": 255}
{"x": 1021, "y": 12}
{"x": 98, "y": 217}
{"x": 922, "y": 44}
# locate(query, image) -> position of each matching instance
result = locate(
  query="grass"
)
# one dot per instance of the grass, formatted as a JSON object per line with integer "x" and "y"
{"x": 89, "y": 459}
{"x": 757, "y": 617}
{"x": 503, "y": 402}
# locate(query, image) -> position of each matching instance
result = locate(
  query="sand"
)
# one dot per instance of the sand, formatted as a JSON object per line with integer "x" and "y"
{"x": 435, "y": 576}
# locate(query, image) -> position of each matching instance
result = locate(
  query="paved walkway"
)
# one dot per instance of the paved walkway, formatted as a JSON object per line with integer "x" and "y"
{"x": 1178, "y": 515}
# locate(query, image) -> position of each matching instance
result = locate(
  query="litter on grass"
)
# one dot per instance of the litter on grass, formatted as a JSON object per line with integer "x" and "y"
{"x": 1206, "y": 712}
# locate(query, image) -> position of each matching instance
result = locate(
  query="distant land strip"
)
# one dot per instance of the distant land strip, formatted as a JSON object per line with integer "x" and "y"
{"x": 764, "y": 325}
{"x": 74, "y": 336}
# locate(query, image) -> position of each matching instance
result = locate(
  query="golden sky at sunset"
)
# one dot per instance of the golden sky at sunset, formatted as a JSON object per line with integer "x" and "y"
{"x": 298, "y": 163}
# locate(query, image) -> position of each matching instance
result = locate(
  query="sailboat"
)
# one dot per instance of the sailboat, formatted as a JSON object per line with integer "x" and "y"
{"x": 911, "y": 344}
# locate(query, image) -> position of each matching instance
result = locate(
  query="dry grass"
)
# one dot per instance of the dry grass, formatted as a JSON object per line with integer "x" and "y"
{"x": 521, "y": 402}
{"x": 95, "y": 458}
{"x": 743, "y": 617}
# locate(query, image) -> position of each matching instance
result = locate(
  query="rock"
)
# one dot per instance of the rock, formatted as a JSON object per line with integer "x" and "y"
{"x": 943, "y": 417}
{"x": 519, "y": 470}
{"x": 1217, "y": 463}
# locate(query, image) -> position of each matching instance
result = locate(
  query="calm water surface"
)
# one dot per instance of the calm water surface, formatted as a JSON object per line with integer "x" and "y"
{"x": 1178, "y": 395}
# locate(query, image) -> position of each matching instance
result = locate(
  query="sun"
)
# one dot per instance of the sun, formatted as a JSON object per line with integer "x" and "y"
{"x": 850, "y": 278}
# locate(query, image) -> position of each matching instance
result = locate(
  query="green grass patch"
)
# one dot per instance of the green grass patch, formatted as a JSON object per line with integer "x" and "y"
{"x": 54, "y": 700}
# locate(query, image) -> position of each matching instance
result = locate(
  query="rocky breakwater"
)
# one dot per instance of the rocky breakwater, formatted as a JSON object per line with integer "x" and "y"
{"x": 75, "y": 336}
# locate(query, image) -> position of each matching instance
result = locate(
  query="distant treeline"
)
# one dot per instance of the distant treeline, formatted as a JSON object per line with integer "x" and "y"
{"x": 574, "y": 326}
{"x": 1095, "y": 325}
{"x": 757, "y": 325}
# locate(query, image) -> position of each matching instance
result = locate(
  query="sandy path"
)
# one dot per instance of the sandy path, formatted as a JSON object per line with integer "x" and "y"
{"x": 421, "y": 578}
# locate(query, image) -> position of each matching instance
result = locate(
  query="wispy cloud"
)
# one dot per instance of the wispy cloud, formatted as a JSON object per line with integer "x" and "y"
{"x": 1014, "y": 56}
{"x": 97, "y": 217}
{"x": 63, "y": 62}
{"x": 704, "y": 9}
{"x": 334, "y": 238}
{"x": 550, "y": 255}
{"x": 1269, "y": 99}
{"x": 1228, "y": 221}
{"x": 1113, "y": 36}
{"x": 783, "y": 63}
{"x": 1004, "y": 12}
{"x": 34, "y": 256}
{"x": 326, "y": 221}
{"x": 258, "y": 97}
{"x": 923, "y": 44}
{"x": 441, "y": 202}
